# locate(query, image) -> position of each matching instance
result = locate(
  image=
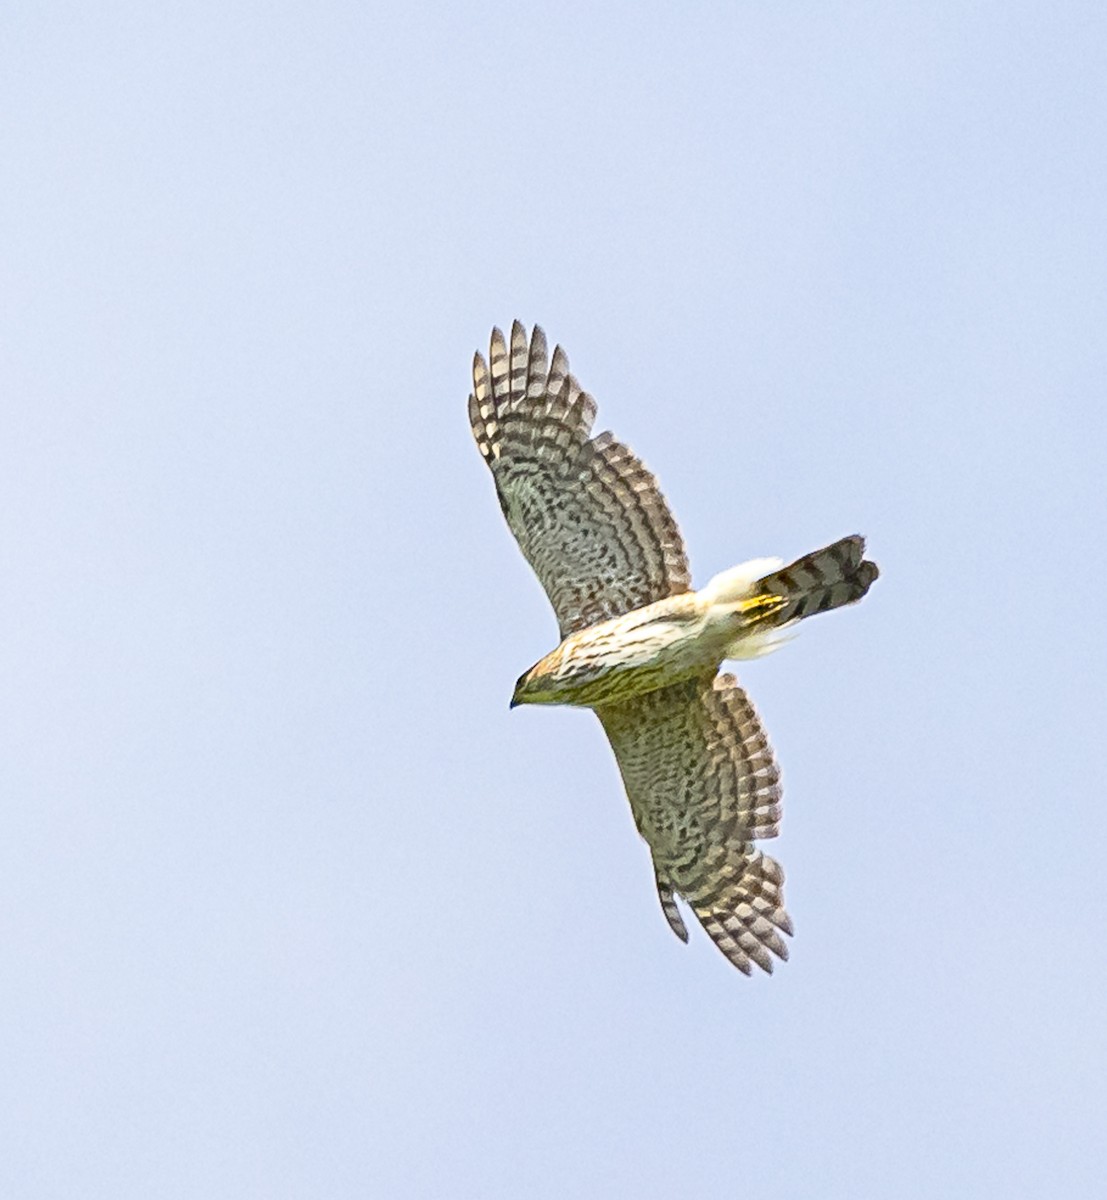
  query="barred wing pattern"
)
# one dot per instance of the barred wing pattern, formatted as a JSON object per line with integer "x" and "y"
{"x": 702, "y": 783}
{"x": 586, "y": 513}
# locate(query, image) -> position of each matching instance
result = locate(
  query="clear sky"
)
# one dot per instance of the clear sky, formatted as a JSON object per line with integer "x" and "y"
{"x": 291, "y": 905}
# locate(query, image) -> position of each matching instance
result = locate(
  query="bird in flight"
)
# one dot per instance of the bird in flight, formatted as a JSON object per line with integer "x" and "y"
{"x": 643, "y": 650}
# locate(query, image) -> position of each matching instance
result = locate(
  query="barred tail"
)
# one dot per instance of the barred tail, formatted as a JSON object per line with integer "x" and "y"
{"x": 770, "y": 598}
{"x": 825, "y": 579}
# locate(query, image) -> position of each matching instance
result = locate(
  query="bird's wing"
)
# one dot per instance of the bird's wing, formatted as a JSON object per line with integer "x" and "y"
{"x": 586, "y": 513}
{"x": 702, "y": 783}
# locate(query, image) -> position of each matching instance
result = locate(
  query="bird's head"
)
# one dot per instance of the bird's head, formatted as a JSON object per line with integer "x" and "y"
{"x": 523, "y": 689}
{"x": 536, "y": 686}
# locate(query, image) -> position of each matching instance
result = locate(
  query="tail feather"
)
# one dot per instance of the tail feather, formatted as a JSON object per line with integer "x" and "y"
{"x": 824, "y": 579}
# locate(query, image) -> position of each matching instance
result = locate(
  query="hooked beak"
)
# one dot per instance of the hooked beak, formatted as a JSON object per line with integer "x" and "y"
{"x": 516, "y": 696}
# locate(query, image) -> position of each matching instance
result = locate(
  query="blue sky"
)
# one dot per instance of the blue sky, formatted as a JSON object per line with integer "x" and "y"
{"x": 291, "y": 905}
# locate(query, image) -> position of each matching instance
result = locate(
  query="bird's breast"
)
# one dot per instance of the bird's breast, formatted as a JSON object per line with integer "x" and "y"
{"x": 621, "y": 658}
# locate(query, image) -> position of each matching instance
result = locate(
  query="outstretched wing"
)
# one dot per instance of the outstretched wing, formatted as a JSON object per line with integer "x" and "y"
{"x": 702, "y": 784}
{"x": 586, "y": 513}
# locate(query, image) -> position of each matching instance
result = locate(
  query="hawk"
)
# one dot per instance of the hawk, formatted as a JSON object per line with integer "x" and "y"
{"x": 643, "y": 650}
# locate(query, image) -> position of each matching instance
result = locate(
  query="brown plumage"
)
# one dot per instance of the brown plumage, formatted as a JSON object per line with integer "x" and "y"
{"x": 643, "y": 650}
